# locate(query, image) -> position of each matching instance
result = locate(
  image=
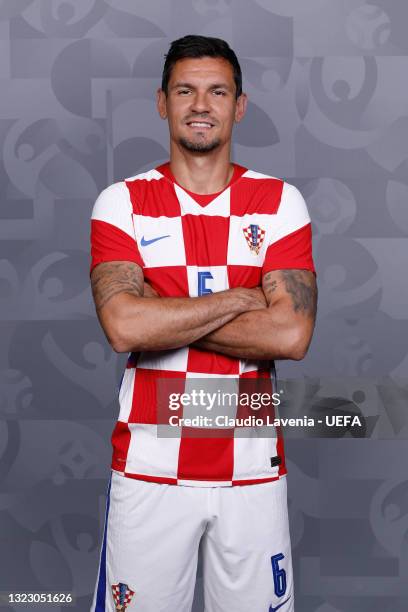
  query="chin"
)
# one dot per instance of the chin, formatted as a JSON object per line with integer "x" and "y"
{"x": 199, "y": 146}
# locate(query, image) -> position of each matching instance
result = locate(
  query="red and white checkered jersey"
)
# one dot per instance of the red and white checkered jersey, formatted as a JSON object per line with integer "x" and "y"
{"x": 189, "y": 244}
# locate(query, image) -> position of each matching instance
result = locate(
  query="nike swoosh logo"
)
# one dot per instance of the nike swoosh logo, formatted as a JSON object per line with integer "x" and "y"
{"x": 273, "y": 609}
{"x": 144, "y": 242}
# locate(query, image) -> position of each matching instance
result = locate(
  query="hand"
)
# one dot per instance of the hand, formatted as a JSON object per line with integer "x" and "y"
{"x": 148, "y": 291}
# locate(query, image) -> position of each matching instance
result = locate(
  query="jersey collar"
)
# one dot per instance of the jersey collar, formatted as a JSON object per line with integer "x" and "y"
{"x": 202, "y": 198}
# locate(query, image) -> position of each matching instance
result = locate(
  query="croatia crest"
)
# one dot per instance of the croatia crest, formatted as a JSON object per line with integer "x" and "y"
{"x": 122, "y": 596}
{"x": 254, "y": 236}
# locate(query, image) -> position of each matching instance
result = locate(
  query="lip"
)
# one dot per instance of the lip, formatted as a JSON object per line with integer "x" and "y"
{"x": 200, "y": 127}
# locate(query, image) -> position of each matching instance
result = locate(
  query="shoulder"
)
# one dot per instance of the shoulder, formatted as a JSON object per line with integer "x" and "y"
{"x": 113, "y": 197}
{"x": 117, "y": 193}
{"x": 273, "y": 194}
{"x": 292, "y": 199}
{"x": 292, "y": 211}
{"x": 141, "y": 185}
{"x": 150, "y": 175}
{"x": 112, "y": 192}
{"x": 116, "y": 201}
{"x": 290, "y": 194}
{"x": 260, "y": 176}
{"x": 288, "y": 190}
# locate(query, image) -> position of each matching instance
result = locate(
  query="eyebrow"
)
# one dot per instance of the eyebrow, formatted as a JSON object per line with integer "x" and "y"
{"x": 191, "y": 86}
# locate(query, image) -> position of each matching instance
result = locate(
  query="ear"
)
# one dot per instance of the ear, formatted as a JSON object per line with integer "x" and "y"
{"x": 161, "y": 103}
{"x": 241, "y": 106}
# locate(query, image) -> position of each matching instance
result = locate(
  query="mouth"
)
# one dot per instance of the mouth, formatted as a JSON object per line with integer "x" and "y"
{"x": 200, "y": 125}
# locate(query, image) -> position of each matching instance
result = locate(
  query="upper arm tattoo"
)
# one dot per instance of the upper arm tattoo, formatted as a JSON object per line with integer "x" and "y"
{"x": 300, "y": 285}
{"x": 269, "y": 285}
{"x": 112, "y": 277}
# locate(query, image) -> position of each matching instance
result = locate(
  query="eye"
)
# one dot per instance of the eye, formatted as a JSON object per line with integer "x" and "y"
{"x": 183, "y": 91}
{"x": 219, "y": 92}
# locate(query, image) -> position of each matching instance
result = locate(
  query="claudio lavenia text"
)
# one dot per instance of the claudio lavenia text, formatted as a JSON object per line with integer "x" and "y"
{"x": 252, "y": 421}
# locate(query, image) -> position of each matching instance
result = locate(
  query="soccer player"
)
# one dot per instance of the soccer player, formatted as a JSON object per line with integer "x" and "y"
{"x": 201, "y": 269}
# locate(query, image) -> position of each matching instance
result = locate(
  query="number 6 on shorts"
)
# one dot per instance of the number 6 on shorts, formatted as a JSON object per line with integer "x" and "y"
{"x": 279, "y": 575}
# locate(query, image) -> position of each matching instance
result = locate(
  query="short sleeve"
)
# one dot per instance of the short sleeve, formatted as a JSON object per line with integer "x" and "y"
{"x": 112, "y": 232}
{"x": 290, "y": 244}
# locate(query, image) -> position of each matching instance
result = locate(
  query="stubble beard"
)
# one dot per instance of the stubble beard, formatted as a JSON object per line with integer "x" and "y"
{"x": 199, "y": 146}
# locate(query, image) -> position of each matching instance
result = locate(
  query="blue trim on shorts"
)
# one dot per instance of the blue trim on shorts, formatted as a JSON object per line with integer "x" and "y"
{"x": 101, "y": 593}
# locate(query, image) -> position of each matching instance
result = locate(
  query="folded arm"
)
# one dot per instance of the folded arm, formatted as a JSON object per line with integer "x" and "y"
{"x": 281, "y": 330}
{"x": 132, "y": 322}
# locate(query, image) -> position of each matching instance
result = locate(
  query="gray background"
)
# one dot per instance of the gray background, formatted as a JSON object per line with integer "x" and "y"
{"x": 328, "y": 92}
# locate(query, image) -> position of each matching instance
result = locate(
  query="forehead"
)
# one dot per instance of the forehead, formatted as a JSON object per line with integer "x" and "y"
{"x": 202, "y": 68}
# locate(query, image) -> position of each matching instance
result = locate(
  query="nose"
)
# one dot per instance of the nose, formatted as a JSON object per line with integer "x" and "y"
{"x": 199, "y": 103}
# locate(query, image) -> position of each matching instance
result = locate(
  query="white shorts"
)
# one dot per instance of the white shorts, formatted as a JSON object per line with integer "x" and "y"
{"x": 150, "y": 548}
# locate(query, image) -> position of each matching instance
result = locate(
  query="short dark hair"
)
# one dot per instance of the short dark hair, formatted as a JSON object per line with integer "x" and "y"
{"x": 194, "y": 45}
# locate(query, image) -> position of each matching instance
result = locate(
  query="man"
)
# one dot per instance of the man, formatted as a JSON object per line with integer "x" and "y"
{"x": 201, "y": 269}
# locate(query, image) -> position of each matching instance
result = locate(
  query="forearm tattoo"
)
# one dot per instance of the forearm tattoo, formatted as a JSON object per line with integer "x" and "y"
{"x": 110, "y": 278}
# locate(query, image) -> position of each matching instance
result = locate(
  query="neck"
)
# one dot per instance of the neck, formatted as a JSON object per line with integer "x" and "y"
{"x": 201, "y": 173}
